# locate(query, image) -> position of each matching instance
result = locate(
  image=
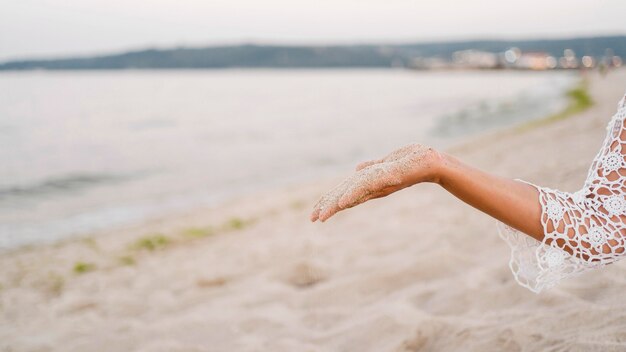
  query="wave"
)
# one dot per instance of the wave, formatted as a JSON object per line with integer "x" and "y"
{"x": 63, "y": 184}
{"x": 493, "y": 114}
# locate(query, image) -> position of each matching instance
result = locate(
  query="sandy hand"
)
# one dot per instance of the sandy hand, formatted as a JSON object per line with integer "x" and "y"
{"x": 378, "y": 178}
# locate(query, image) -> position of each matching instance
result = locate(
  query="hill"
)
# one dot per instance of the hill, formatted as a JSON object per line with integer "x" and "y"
{"x": 273, "y": 56}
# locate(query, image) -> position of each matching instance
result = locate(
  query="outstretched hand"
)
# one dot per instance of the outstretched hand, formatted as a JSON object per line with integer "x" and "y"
{"x": 373, "y": 179}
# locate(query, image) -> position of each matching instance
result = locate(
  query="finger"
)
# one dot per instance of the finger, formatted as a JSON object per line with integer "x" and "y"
{"x": 393, "y": 156}
{"x": 327, "y": 214}
{"x": 399, "y": 153}
{"x": 367, "y": 196}
{"x": 358, "y": 195}
{"x": 328, "y": 205}
{"x": 378, "y": 179}
{"x": 365, "y": 164}
{"x": 369, "y": 180}
{"x": 324, "y": 203}
{"x": 314, "y": 215}
{"x": 329, "y": 211}
{"x": 356, "y": 199}
{"x": 353, "y": 197}
{"x": 316, "y": 209}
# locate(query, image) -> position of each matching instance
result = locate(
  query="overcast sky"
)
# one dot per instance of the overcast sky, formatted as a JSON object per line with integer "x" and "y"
{"x": 43, "y": 28}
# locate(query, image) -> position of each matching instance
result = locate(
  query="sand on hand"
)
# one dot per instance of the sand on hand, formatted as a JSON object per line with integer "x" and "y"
{"x": 374, "y": 179}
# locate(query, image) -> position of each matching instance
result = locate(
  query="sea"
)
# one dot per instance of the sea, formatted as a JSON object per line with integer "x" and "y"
{"x": 83, "y": 152}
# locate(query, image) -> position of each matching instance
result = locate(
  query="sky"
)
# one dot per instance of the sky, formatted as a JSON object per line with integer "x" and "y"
{"x": 56, "y": 28}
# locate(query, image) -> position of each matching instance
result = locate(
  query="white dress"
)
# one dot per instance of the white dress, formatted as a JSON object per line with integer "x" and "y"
{"x": 583, "y": 230}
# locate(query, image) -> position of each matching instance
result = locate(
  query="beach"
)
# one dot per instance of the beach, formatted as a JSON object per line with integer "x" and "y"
{"x": 416, "y": 271}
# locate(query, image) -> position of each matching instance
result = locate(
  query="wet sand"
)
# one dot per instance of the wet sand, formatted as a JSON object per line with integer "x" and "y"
{"x": 417, "y": 271}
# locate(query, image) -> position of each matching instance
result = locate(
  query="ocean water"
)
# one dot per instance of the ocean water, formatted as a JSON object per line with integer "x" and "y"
{"x": 87, "y": 151}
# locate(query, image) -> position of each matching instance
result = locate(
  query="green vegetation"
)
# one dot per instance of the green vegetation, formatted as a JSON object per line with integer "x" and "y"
{"x": 83, "y": 267}
{"x": 232, "y": 224}
{"x": 158, "y": 241}
{"x": 579, "y": 101}
{"x": 151, "y": 242}
{"x": 199, "y": 232}
{"x": 580, "y": 96}
{"x": 236, "y": 223}
{"x": 127, "y": 260}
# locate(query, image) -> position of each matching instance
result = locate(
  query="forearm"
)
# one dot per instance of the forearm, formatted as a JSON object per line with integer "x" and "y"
{"x": 512, "y": 202}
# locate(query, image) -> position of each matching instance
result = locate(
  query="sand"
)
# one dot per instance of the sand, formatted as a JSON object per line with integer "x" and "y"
{"x": 417, "y": 271}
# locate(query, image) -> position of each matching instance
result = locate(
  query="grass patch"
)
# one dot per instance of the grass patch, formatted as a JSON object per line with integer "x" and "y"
{"x": 199, "y": 232}
{"x": 579, "y": 101}
{"x": 83, "y": 267}
{"x": 127, "y": 260}
{"x": 236, "y": 223}
{"x": 151, "y": 242}
{"x": 159, "y": 241}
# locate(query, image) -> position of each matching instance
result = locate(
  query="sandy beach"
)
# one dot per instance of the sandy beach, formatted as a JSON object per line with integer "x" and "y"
{"x": 417, "y": 271}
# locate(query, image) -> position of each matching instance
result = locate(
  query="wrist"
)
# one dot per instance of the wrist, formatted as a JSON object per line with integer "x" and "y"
{"x": 441, "y": 164}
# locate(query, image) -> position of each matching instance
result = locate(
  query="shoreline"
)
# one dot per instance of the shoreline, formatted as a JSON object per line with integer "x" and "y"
{"x": 217, "y": 272}
{"x": 56, "y": 202}
{"x": 455, "y": 143}
{"x": 579, "y": 101}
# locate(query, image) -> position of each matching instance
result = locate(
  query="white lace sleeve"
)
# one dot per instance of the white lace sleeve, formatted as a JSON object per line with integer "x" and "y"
{"x": 583, "y": 230}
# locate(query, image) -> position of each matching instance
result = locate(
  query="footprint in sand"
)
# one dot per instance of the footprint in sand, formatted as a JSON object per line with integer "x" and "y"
{"x": 305, "y": 275}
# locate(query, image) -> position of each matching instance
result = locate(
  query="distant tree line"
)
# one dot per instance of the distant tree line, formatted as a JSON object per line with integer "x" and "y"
{"x": 340, "y": 56}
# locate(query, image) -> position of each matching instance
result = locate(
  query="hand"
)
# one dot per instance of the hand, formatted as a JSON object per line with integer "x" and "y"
{"x": 373, "y": 179}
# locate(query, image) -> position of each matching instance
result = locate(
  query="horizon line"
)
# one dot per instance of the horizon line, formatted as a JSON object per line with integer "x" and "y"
{"x": 278, "y": 43}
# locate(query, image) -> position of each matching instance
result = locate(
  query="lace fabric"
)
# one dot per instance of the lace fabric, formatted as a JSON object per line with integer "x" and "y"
{"x": 583, "y": 230}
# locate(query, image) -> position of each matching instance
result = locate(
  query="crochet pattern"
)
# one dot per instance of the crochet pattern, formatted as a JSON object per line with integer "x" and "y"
{"x": 583, "y": 230}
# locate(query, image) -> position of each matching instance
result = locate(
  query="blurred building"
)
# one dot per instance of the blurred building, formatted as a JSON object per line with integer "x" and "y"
{"x": 475, "y": 59}
{"x": 535, "y": 61}
{"x": 516, "y": 59}
{"x": 568, "y": 60}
